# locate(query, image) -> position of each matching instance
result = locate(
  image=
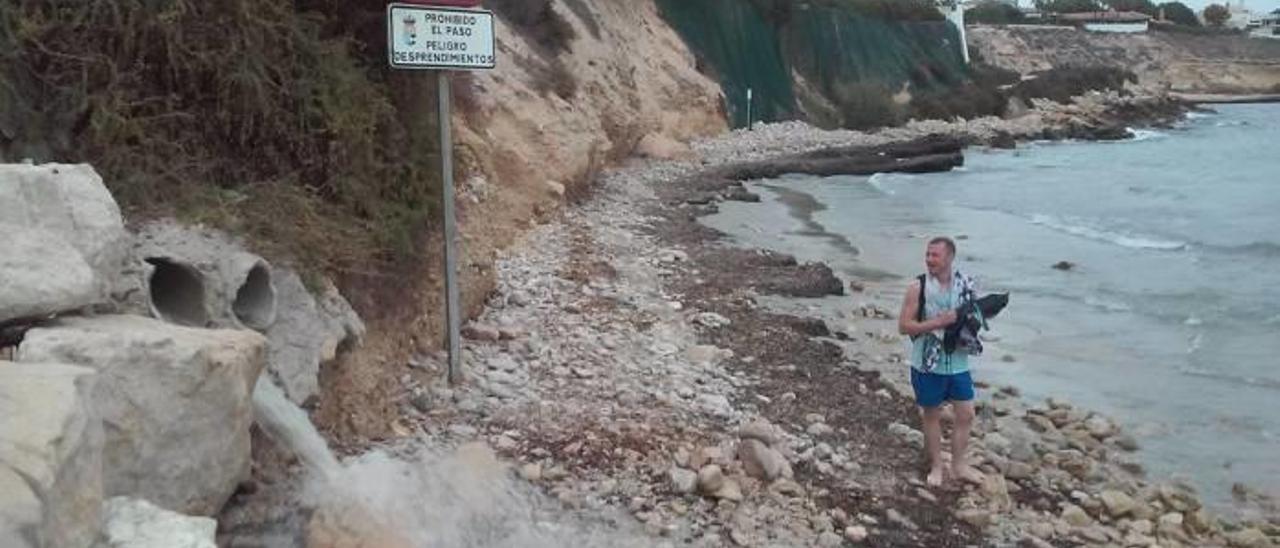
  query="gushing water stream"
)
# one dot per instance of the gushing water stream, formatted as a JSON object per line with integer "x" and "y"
{"x": 289, "y": 425}
{"x": 465, "y": 498}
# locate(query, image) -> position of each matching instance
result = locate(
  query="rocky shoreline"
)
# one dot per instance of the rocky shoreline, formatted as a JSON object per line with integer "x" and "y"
{"x": 627, "y": 361}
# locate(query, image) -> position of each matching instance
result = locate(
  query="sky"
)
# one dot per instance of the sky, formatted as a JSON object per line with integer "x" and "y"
{"x": 1255, "y": 5}
{"x": 1258, "y": 6}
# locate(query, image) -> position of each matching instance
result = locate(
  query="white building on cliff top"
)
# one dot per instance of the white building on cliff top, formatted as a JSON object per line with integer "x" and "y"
{"x": 1109, "y": 21}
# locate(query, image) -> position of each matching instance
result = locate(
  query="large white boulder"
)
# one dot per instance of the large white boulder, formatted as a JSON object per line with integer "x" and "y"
{"x": 133, "y": 523}
{"x": 41, "y": 274}
{"x": 176, "y": 403}
{"x": 72, "y": 202}
{"x": 50, "y": 456}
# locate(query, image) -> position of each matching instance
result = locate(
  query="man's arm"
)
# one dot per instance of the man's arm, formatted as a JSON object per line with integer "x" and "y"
{"x": 907, "y": 324}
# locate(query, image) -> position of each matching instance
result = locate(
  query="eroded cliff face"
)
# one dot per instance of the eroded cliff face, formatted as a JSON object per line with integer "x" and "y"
{"x": 529, "y": 136}
{"x": 1162, "y": 60}
{"x": 534, "y": 132}
{"x": 631, "y": 76}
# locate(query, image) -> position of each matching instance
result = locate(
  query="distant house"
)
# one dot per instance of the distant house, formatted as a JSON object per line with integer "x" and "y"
{"x": 1108, "y": 21}
{"x": 1266, "y": 26}
{"x": 1241, "y": 15}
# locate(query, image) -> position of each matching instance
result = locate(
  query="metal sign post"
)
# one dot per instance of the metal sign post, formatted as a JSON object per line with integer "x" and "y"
{"x": 421, "y": 37}
{"x": 453, "y": 315}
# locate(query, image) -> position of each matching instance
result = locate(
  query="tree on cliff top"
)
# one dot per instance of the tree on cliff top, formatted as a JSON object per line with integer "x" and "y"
{"x": 993, "y": 12}
{"x": 1179, "y": 13}
{"x": 1141, "y": 6}
{"x": 1216, "y": 14}
{"x": 1068, "y": 6}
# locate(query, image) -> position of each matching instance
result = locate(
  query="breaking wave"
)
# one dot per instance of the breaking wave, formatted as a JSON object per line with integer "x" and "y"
{"x": 1107, "y": 305}
{"x": 1145, "y": 135}
{"x": 878, "y": 180}
{"x": 1083, "y": 230}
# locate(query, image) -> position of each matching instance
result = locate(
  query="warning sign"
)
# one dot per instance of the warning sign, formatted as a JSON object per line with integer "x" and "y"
{"x": 439, "y": 38}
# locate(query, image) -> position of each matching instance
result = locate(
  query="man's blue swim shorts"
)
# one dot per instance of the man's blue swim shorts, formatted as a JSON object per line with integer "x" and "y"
{"x": 933, "y": 389}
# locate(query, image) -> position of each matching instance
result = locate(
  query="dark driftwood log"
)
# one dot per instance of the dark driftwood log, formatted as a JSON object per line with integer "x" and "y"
{"x": 849, "y": 165}
{"x": 925, "y": 155}
{"x": 924, "y": 146}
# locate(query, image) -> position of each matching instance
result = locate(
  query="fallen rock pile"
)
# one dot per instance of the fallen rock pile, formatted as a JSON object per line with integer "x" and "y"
{"x": 114, "y": 424}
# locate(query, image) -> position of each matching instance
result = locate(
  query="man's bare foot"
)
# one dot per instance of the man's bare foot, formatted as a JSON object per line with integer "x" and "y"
{"x": 966, "y": 473}
{"x": 934, "y": 479}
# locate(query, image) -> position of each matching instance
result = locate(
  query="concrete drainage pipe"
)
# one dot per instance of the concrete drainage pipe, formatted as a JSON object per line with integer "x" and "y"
{"x": 234, "y": 292}
{"x": 203, "y": 279}
{"x": 177, "y": 293}
{"x": 253, "y": 296}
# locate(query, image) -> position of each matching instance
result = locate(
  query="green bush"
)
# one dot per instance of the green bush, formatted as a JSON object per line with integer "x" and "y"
{"x": 982, "y": 95}
{"x": 1216, "y": 15}
{"x": 1178, "y": 13}
{"x": 1061, "y": 84}
{"x": 245, "y": 114}
{"x": 1141, "y": 6}
{"x": 1068, "y": 6}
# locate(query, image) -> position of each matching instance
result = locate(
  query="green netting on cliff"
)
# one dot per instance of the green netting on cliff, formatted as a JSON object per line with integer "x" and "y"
{"x": 830, "y": 47}
{"x": 743, "y": 51}
{"x": 841, "y": 54}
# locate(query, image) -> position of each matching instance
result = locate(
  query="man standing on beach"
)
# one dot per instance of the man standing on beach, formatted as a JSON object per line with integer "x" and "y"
{"x": 936, "y": 376}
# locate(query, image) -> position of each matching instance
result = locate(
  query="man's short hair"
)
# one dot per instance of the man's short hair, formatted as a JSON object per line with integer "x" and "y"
{"x": 951, "y": 244}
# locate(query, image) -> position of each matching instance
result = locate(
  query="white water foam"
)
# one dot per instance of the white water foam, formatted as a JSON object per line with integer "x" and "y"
{"x": 1139, "y": 135}
{"x": 464, "y": 499}
{"x": 1196, "y": 343}
{"x": 1082, "y": 229}
{"x": 1109, "y": 306}
{"x": 877, "y": 181}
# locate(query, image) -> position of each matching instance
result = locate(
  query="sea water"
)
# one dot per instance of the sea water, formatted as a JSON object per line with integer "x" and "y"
{"x": 1169, "y": 320}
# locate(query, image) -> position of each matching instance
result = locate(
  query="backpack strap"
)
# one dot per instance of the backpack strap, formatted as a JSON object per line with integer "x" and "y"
{"x": 920, "y": 309}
